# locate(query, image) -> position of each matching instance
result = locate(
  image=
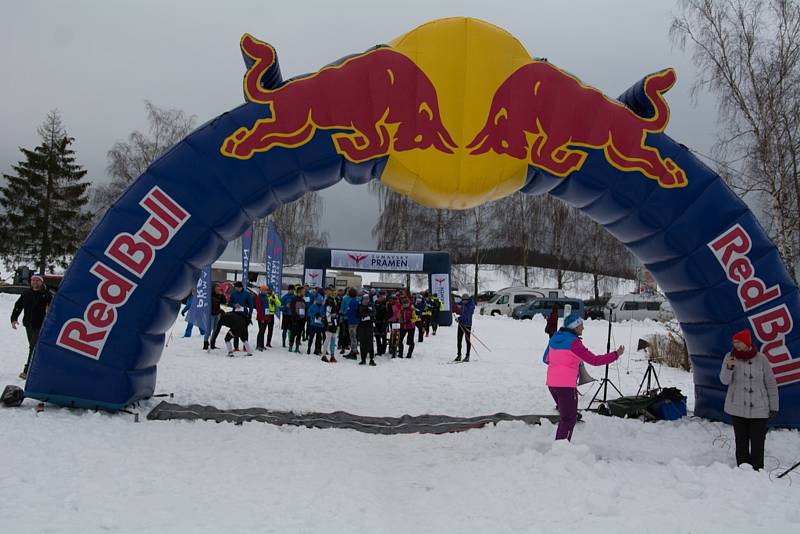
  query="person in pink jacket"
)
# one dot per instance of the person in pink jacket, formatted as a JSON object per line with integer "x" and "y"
{"x": 564, "y": 355}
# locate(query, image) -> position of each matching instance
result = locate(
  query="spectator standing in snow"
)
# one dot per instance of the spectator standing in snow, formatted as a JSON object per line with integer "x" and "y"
{"x": 298, "y": 307}
{"x": 242, "y": 303}
{"x": 552, "y": 322}
{"x": 465, "y": 325}
{"x": 564, "y": 354}
{"x": 366, "y": 330}
{"x": 316, "y": 324}
{"x": 352, "y": 322}
{"x": 32, "y": 303}
{"x": 217, "y": 300}
{"x": 286, "y": 313}
{"x": 331, "y": 326}
{"x": 406, "y": 318}
{"x": 267, "y": 305}
{"x": 382, "y": 314}
{"x": 752, "y": 398}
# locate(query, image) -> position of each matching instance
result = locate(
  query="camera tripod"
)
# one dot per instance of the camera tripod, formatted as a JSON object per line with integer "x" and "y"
{"x": 605, "y": 381}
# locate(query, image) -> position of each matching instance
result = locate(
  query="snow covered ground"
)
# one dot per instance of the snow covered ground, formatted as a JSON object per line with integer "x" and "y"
{"x": 77, "y": 471}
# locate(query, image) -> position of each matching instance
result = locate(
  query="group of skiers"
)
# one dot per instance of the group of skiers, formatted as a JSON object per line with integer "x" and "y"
{"x": 361, "y": 324}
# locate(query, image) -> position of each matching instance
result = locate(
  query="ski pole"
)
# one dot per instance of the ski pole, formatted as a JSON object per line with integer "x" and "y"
{"x": 789, "y": 470}
{"x": 472, "y": 335}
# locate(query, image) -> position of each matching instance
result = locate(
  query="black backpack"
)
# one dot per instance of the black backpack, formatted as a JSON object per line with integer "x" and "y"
{"x": 12, "y": 396}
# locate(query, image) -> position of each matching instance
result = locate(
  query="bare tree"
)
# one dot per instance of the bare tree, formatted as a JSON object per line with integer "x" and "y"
{"x": 517, "y": 221}
{"x": 748, "y": 52}
{"x": 127, "y": 160}
{"x": 298, "y": 224}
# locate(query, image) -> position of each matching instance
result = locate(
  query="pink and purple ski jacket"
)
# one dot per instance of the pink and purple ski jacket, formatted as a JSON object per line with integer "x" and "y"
{"x": 564, "y": 354}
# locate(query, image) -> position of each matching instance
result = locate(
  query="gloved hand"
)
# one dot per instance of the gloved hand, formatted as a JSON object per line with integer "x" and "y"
{"x": 773, "y": 413}
{"x": 183, "y": 313}
{"x": 249, "y": 320}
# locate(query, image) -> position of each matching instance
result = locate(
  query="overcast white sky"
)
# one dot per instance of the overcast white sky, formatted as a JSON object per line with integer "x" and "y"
{"x": 98, "y": 60}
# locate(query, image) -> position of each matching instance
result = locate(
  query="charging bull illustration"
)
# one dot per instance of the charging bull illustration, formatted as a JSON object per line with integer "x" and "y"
{"x": 384, "y": 99}
{"x": 560, "y": 115}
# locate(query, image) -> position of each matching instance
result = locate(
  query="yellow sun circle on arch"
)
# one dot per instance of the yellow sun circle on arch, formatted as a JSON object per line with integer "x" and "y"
{"x": 466, "y": 60}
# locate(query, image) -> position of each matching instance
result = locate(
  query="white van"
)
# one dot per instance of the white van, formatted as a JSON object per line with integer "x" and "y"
{"x": 505, "y": 300}
{"x": 638, "y": 307}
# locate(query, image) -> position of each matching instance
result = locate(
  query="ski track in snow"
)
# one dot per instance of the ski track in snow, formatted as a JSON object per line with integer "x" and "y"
{"x": 81, "y": 471}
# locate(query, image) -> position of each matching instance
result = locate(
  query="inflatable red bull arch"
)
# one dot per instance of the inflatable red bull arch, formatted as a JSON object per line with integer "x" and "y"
{"x": 453, "y": 114}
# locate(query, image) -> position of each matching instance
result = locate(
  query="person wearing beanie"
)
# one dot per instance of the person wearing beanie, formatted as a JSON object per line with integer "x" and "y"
{"x": 752, "y": 397}
{"x": 365, "y": 329}
{"x": 564, "y": 354}
{"x": 267, "y": 304}
{"x": 467, "y": 309}
{"x": 34, "y": 302}
{"x": 316, "y": 324}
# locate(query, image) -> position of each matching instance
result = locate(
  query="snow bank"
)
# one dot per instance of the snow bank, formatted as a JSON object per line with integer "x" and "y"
{"x": 66, "y": 471}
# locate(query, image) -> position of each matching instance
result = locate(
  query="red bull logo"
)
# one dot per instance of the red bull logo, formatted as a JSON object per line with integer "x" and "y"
{"x": 560, "y": 115}
{"x": 382, "y": 96}
{"x": 504, "y": 115}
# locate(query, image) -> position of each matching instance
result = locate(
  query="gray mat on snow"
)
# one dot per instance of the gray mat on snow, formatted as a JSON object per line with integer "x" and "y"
{"x": 407, "y": 424}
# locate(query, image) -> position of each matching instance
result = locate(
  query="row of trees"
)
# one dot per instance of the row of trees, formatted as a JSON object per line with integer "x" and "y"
{"x": 49, "y": 207}
{"x": 520, "y": 229}
{"x": 748, "y": 54}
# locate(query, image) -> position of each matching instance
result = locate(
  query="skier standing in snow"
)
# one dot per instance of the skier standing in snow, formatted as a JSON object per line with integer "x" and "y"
{"x": 752, "y": 398}
{"x": 316, "y": 324}
{"x": 365, "y": 330}
{"x": 564, "y": 354}
{"x": 217, "y": 300}
{"x": 298, "y": 308}
{"x": 242, "y": 303}
{"x": 267, "y": 305}
{"x": 331, "y": 326}
{"x": 352, "y": 322}
{"x": 33, "y": 302}
{"x": 406, "y": 317}
{"x": 382, "y": 314}
{"x": 286, "y": 312}
{"x": 465, "y": 325}
{"x": 436, "y": 307}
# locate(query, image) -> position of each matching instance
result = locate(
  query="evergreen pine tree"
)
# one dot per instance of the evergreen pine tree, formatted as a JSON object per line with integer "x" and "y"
{"x": 44, "y": 202}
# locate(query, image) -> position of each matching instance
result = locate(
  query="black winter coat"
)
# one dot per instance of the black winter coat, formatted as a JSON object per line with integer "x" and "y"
{"x": 34, "y": 304}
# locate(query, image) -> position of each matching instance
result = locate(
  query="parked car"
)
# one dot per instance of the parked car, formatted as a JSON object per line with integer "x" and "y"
{"x": 594, "y": 308}
{"x": 545, "y": 306}
{"x": 485, "y": 296}
{"x": 505, "y": 300}
{"x": 638, "y": 307}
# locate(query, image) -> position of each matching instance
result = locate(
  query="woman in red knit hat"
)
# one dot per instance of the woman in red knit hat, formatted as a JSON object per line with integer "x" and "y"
{"x": 752, "y": 398}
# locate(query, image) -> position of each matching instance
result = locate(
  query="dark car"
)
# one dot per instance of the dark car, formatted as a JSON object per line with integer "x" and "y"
{"x": 544, "y": 307}
{"x": 594, "y": 308}
{"x": 485, "y": 296}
